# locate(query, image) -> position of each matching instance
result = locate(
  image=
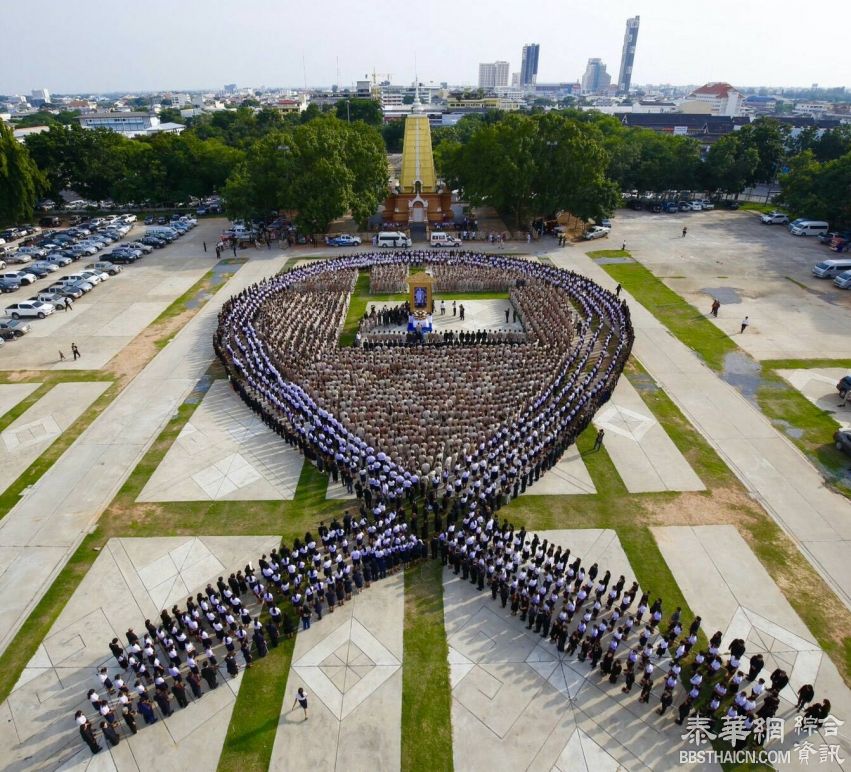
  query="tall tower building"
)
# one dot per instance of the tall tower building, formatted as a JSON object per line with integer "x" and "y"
{"x": 529, "y": 64}
{"x": 630, "y": 38}
{"x": 595, "y": 80}
{"x": 493, "y": 74}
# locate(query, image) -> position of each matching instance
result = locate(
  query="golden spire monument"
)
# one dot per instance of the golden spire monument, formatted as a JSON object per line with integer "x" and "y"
{"x": 420, "y": 198}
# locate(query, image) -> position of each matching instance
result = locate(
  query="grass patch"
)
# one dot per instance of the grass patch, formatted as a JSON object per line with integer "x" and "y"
{"x": 257, "y": 712}
{"x": 609, "y": 253}
{"x": 804, "y": 364}
{"x": 357, "y": 308}
{"x": 754, "y": 206}
{"x": 426, "y": 695}
{"x": 682, "y": 319}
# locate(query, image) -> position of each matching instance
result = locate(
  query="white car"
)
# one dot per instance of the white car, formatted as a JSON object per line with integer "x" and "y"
{"x": 90, "y": 276}
{"x": 697, "y": 206}
{"x": 20, "y": 276}
{"x": 774, "y": 218}
{"x": 94, "y": 276}
{"x": 29, "y": 308}
{"x": 18, "y": 257}
{"x": 707, "y": 204}
{"x": 32, "y": 251}
{"x": 596, "y": 232}
{"x": 58, "y": 260}
{"x": 84, "y": 249}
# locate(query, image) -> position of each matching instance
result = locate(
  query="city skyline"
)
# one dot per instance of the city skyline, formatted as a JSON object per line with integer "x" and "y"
{"x": 194, "y": 50}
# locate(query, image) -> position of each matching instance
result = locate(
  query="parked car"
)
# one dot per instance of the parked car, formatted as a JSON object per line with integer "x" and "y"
{"x": 45, "y": 265}
{"x": 671, "y": 207}
{"x": 774, "y": 218}
{"x": 22, "y": 276}
{"x": 33, "y": 308}
{"x": 153, "y": 241}
{"x": 605, "y": 223}
{"x": 55, "y": 299}
{"x": 20, "y": 258}
{"x": 13, "y": 328}
{"x": 38, "y": 271}
{"x": 696, "y": 206}
{"x": 103, "y": 266}
{"x": 596, "y": 232}
{"x": 58, "y": 259}
{"x": 149, "y": 220}
{"x": 843, "y": 280}
{"x": 684, "y": 206}
{"x": 343, "y": 240}
{"x": 707, "y": 204}
{"x": 84, "y": 249}
{"x": 120, "y": 258}
{"x": 9, "y": 285}
{"x": 95, "y": 277}
{"x": 32, "y": 251}
{"x": 146, "y": 248}
{"x": 88, "y": 276}
{"x": 842, "y": 440}
{"x": 67, "y": 290}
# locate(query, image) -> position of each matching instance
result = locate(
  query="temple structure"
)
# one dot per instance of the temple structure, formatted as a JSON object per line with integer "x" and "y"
{"x": 419, "y": 197}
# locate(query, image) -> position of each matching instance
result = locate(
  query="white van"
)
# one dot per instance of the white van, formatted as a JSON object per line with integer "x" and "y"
{"x": 843, "y": 280}
{"x": 808, "y": 227}
{"x": 827, "y": 269}
{"x": 393, "y": 239}
{"x": 443, "y": 239}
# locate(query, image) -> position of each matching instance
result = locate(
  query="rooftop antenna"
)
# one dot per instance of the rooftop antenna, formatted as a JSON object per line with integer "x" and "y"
{"x": 304, "y": 71}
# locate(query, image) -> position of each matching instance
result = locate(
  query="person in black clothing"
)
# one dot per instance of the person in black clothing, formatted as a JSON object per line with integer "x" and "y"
{"x": 805, "y": 695}
{"x": 209, "y": 674}
{"x": 162, "y": 700}
{"x": 88, "y": 735}
{"x": 109, "y": 733}
{"x": 130, "y": 718}
{"x": 179, "y": 692}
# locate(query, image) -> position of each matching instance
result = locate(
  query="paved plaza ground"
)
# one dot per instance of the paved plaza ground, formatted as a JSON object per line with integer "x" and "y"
{"x": 213, "y": 488}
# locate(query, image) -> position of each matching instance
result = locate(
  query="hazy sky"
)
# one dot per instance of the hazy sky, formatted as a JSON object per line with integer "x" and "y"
{"x": 95, "y": 45}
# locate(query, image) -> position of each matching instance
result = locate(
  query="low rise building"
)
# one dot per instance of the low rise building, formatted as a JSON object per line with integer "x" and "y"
{"x": 130, "y": 124}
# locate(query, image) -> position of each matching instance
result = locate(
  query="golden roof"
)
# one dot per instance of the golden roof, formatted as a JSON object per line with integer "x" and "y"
{"x": 417, "y": 158}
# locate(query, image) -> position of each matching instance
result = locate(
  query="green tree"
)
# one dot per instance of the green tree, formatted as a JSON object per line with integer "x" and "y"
{"x": 20, "y": 180}
{"x": 171, "y": 115}
{"x": 818, "y": 190}
{"x": 318, "y": 170}
{"x": 393, "y": 133}
{"x": 730, "y": 165}
{"x": 768, "y": 138}
{"x": 527, "y": 166}
{"x": 366, "y": 110}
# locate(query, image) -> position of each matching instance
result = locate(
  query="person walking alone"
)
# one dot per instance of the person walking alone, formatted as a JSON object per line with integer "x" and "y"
{"x": 598, "y": 442}
{"x": 715, "y": 306}
{"x": 745, "y": 323}
{"x": 685, "y": 230}
{"x": 75, "y": 351}
{"x": 301, "y": 699}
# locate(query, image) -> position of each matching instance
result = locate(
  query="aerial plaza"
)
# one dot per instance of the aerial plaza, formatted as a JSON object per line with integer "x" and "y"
{"x": 417, "y": 509}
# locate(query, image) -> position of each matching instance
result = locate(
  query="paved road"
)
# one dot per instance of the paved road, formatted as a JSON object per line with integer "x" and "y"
{"x": 38, "y": 536}
{"x": 768, "y": 464}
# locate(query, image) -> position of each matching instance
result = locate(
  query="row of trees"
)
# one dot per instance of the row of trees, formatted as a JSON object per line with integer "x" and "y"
{"x": 322, "y": 164}
{"x": 537, "y": 164}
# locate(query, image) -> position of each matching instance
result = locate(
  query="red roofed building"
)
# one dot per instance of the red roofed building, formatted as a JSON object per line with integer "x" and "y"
{"x": 714, "y": 99}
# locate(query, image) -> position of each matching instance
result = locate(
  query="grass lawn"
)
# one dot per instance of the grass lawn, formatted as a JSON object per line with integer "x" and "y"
{"x": 257, "y": 712}
{"x": 426, "y": 694}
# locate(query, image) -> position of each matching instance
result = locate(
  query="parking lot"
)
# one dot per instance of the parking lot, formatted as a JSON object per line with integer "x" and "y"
{"x": 755, "y": 270}
{"x": 104, "y": 320}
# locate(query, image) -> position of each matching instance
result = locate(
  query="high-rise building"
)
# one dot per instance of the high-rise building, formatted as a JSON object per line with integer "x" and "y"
{"x": 630, "y": 38}
{"x": 40, "y": 96}
{"x": 230, "y": 88}
{"x": 595, "y": 80}
{"x": 493, "y": 74}
{"x": 529, "y": 64}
